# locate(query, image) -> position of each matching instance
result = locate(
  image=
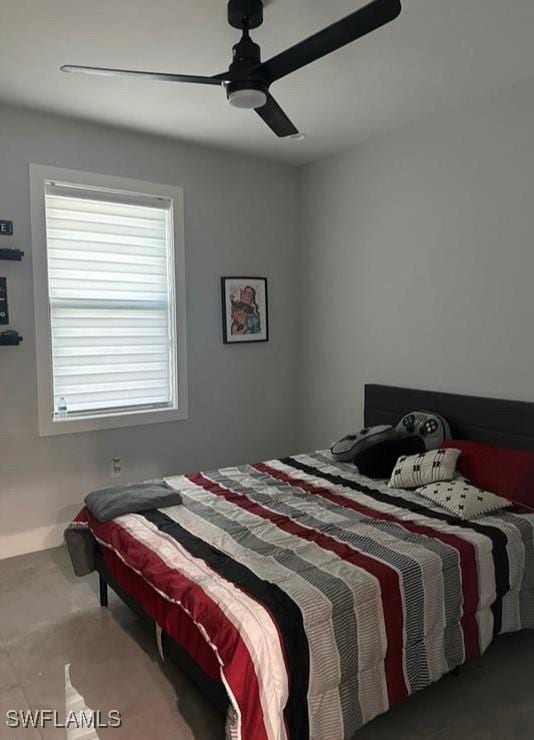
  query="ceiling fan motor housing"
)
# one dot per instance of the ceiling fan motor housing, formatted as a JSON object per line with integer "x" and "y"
{"x": 249, "y": 12}
{"x": 247, "y": 93}
{"x": 247, "y": 86}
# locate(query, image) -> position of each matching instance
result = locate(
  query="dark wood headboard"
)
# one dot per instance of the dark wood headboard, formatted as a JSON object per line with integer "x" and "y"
{"x": 490, "y": 420}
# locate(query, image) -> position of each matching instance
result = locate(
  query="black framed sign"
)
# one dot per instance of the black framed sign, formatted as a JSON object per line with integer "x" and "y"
{"x": 6, "y": 228}
{"x": 4, "y": 313}
{"x": 244, "y": 310}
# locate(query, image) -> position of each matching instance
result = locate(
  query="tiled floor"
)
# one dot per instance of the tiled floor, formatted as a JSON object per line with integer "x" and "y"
{"x": 49, "y": 618}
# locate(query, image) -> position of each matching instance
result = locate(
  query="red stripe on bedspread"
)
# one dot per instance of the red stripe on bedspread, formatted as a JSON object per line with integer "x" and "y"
{"x": 238, "y": 665}
{"x": 388, "y": 578}
{"x": 465, "y": 549}
{"x": 173, "y": 620}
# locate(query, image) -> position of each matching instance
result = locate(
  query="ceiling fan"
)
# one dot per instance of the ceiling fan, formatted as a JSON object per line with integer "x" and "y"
{"x": 248, "y": 80}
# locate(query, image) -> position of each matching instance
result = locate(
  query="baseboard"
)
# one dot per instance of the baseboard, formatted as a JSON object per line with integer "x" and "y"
{"x": 31, "y": 540}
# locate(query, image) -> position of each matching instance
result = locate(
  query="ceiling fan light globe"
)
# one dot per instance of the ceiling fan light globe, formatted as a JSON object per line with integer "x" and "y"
{"x": 247, "y": 98}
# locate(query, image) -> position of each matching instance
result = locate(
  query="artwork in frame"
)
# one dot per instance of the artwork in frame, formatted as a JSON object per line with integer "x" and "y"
{"x": 245, "y": 310}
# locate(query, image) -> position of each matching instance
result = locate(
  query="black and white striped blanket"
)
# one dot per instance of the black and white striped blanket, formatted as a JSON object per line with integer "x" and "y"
{"x": 327, "y": 598}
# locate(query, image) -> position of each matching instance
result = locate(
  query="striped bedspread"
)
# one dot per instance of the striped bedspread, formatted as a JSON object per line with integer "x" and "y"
{"x": 326, "y": 597}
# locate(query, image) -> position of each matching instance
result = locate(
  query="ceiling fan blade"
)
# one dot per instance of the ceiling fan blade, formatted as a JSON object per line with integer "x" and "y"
{"x": 355, "y": 25}
{"x": 108, "y": 72}
{"x": 276, "y": 119}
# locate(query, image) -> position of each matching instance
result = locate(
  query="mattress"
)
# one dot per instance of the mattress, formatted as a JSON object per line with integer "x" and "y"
{"x": 319, "y": 597}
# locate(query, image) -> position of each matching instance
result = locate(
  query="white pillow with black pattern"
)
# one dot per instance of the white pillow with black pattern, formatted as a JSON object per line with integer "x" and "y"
{"x": 462, "y": 499}
{"x": 426, "y": 467}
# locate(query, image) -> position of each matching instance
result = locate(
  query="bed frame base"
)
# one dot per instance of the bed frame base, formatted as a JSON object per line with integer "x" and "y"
{"x": 103, "y": 590}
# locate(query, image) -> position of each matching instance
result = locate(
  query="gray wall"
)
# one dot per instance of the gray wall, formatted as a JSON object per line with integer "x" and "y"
{"x": 415, "y": 266}
{"x": 417, "y": 252}
{"x": 240, "y": 218}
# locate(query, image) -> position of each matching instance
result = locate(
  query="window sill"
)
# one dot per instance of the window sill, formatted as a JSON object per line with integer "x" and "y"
{"x": 48, "y": 428}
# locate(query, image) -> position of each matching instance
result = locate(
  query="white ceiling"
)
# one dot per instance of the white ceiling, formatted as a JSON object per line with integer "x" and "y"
{"x": 437, "y": 54}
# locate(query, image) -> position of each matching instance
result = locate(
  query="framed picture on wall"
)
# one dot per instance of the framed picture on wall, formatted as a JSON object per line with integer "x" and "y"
{"x": 244, "y": 310}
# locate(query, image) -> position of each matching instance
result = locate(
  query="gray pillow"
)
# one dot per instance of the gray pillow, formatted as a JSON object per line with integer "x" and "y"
{"x": 348, "y": 447}
{"x": 433, "y": 429}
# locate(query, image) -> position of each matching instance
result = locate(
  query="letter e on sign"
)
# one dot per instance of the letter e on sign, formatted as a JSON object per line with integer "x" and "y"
{"x": 6, "y": 228}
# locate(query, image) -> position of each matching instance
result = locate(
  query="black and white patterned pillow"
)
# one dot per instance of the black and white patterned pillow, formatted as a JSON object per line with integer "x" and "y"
{"x": 462, "y": 499}
{"x": 426, "y": 467}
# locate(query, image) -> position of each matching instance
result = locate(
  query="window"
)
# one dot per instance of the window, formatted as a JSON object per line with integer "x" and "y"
{"x": 104, "y": 252}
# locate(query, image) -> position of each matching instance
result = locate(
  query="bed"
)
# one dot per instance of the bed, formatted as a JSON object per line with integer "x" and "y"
{"x": 305, "y": 599}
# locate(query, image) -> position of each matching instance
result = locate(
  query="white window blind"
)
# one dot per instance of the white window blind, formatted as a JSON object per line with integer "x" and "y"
{"x": 111, "y": 298}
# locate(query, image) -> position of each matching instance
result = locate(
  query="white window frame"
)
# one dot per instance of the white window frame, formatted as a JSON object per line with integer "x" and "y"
{"x": 39, "y": 175}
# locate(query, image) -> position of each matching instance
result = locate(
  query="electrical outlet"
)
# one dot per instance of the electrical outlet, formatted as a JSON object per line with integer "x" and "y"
{"x": 116, "y": 467}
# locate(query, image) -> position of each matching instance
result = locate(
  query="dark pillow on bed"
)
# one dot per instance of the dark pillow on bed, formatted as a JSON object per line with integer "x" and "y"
{"x": 379, "y": 460}
{"x": 508, "y": 473}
